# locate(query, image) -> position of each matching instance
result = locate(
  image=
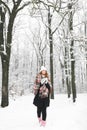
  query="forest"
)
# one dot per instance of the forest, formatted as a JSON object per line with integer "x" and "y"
{"x": 34, "y": 33}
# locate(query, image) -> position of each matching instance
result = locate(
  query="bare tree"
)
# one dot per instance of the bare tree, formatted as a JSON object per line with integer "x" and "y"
{"x": 73, "y": 85}
{"x": 51, "y": 49}
{"x": 5, "y": 57}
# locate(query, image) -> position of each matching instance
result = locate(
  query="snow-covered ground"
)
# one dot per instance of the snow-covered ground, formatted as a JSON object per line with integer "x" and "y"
{"x": 62, "y": 114}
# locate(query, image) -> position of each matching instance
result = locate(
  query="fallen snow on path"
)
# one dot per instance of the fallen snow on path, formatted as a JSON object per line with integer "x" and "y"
{"x": 62, "y": 114}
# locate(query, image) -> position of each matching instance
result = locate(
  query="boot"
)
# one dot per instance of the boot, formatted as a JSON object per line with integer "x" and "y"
{"x": 43, "y": 123}
{"x": 39, "y": 119}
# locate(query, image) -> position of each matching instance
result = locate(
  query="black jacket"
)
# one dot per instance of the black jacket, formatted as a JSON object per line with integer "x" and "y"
{"x": 42, "y": 102}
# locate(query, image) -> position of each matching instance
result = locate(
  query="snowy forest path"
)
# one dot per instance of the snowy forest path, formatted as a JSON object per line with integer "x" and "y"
{"x": 62, "y": 114}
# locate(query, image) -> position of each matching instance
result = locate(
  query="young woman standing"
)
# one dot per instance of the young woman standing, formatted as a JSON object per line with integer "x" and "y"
{"x": 42, "y": 90}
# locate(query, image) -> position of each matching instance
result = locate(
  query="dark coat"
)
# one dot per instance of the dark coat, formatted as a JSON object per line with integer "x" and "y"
{"x": 42, "y": 102}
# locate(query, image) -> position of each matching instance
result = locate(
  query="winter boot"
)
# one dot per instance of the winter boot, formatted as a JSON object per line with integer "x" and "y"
{"x": 39, "y": 119}
{"x": 43, "y": 123}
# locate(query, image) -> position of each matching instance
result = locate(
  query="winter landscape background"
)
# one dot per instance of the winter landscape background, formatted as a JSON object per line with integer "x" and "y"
{"x": 52, "y": 33}
{"x": 30, "y": 46}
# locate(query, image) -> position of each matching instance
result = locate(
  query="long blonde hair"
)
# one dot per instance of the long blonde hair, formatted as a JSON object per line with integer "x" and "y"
{"x": 46, "y": 75}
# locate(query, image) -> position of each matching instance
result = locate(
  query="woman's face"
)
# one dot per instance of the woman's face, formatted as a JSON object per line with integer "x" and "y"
{"x": 43, "y": 72}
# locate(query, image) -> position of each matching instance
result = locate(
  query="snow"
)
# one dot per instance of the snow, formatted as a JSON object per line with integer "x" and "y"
{"x": 62, "y": 114}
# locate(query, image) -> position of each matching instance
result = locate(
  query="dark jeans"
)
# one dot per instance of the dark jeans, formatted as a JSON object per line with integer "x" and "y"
{"x": 42, "y": 110}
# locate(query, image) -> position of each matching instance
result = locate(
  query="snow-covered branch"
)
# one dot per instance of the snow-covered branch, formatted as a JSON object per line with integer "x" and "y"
{"x": 6, "y": 6}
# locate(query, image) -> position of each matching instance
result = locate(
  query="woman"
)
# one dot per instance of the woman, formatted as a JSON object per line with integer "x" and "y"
{"x": 42, "y": 91}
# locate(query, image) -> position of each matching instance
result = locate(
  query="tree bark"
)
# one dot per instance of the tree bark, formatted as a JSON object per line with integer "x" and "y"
{"x": 67, "y": 72}
{"x": 5, "y": 58}
{"x": 5, "y": 64}
{"x": 73, "y": 85}
{"x": 51, "y": 50}
{"x": 5, "y": 76}
{"x": 85, "y": 30}
{"x": 73, "y": 72}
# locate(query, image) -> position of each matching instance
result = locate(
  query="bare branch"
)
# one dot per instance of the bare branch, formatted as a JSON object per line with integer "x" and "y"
{"x": 13, "y": 2}
{"x": 18, "y": 2}
{"x": 52, "y": 5}
{"x": 47, "y": 4}
{"x": 6, "y": 6}
{"x": 26, "y": 4}
{"x": 60, "y": 22}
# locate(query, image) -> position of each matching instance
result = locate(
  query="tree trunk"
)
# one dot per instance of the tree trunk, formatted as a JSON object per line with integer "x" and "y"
{"x": 5, "y": 64}
{"x": 5, "y": 76}
{"x": 51, "y": 66}
{"x": 67, "y": 72}
{"x": 73, "y": 72}
{"x": 72, "y": 53}
{"x": 85, "y": 30}
{"x": 5, "y": 58}
{"x": 51, "y": 50}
